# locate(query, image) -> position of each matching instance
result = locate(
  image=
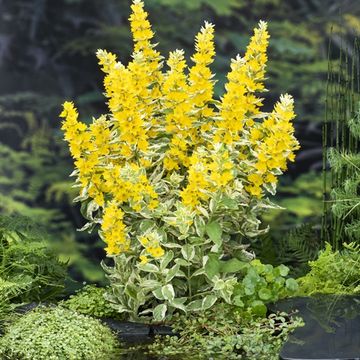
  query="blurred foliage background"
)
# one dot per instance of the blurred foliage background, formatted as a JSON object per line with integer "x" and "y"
{"x": 47, "y": 55}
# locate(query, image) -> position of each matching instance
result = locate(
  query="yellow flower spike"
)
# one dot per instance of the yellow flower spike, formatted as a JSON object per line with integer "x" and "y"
{"x": 145, "y": 55}
{"x": 270, "y": 178}
{"x": 178, "y": 119}
{"x": 254, "y": 191}
{"x": 261, "y": 166}
{"x": 244, "y": 79}
{"x": 140, "y": 27}
{"x": 75, "y": 132}
{"x": 153, "y": 204}
{"x": 107, "y": 60}
{"x": 255, "y": 55}
{"x": 143, "y": 240}
{"x": 200, "y": 76}
{"x": 114, "y": 230}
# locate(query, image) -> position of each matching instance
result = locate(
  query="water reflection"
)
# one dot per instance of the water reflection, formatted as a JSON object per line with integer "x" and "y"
{"x": 331, "y": 331}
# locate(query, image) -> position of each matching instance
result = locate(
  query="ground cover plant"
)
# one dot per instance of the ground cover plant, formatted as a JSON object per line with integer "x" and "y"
{"x": 344, "y": 267}
{"x": 90, "y": 300}
{"x": 226, "y": 333}
{"x": 57, "y": 333}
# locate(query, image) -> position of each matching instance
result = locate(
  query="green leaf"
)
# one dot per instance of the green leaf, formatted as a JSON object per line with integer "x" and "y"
{"x": 214, "y": 232}
{"x": 195, "y": 305}
{"x": 188, "y": 252}
{"x": 148, "y": 268}
{"x": 178, "y": 303}
{"x": 229, "y": 203}
{"x": 171, "y": 245}
{"x": 249, "y": 289}
{"x": 232, "y": 266}
{"x": 150, "y": 284}
{"x": 199, "y": 226}
{"x": 168, "y": 292}
{"x": 146, "y": 225}
{"x": 198, "y": 272}
{"x": 292, "y": 285}
{"x": 212, "y": 205}
{"x": 258, "y": 308}
{"x": 166, "y": 260}
{"x": 172, "y": 273}
{"x": 160, "y": 312}
{"x": 131, "y": 291}
{"x": 158, "y": 294}
{"x": 182, "y": 262}
{"x": 265, "y": 294}
{"x": 284, "y": 270}
{"x": 212, "y": 266}
{"x": 208, "y": 301}
{"x": 237, "y": 301}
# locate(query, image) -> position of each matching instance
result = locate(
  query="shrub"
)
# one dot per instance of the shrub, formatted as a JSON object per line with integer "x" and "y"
{"x": 174, "y": 176}
{"x": 334, "y": 272}
{"x": 57, "y": 333}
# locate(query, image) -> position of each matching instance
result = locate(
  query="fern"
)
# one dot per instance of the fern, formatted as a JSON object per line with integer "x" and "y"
{"x": 294, "y": 250}
{"x": 300, "y": 245}
{"x": 34, "y": 179}
{"x": 345, "y": 196}
{"x": 29, "y": 269}
{"x": 341, "y": 135}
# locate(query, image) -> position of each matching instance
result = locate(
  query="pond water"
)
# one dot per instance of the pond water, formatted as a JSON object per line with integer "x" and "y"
{"x": 331, "y": 331}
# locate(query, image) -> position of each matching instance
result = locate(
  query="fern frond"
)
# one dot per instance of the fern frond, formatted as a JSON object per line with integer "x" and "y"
{"x": 301, "y": 245}
{"x": 354, "y": 124}
{"x": 341, "y": 159}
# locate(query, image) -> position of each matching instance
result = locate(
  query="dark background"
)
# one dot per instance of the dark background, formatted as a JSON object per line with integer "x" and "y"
{"x": 47, "y": 55}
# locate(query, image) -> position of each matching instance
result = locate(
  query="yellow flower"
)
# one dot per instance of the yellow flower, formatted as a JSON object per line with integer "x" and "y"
{"x": 255, "y": 179}
{"x": 144, "y": 259}
{"x": 254, "y": 190}
{"x": 271, "y": 178}
{"x": 155, "y": 252}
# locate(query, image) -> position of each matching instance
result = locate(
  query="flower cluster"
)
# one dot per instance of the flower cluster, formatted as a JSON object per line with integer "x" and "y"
{"x": 169, "y": 120}
{"x": 113, "y": 229}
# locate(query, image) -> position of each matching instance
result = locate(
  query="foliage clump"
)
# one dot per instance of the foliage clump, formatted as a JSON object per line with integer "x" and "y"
{"x": 57, "y": 333}
{"x": 29, "y": 268}
{"x": 222, "y": 333}
{"x": 334, "y": 272}
{"x": 90, "y": 301}
{"x": 174, "y": 177}
{"x": 344, "y": 162}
